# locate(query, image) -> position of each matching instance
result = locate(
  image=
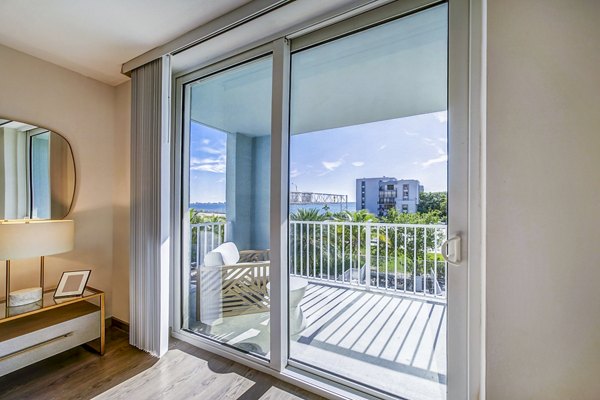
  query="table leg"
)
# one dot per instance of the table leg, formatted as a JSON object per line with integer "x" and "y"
{"x": 102, "y": 327}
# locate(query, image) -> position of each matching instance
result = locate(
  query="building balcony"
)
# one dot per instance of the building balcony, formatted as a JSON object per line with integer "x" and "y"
{"x": 374, "y": 307}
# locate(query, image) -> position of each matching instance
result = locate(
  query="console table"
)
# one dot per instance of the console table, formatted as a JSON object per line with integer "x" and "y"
{"x": 36, "y": 331}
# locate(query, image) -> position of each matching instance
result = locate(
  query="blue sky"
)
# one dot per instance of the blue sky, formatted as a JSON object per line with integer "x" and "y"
{"x": 331, "y": 160}
{"x": 207, "y": 164}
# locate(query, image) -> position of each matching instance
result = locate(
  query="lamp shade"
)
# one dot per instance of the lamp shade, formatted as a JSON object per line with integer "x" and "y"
{"x": 28, "y": 238}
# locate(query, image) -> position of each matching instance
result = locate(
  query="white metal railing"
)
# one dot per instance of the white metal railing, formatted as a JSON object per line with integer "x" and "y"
{"x": 205, "y": 237}
{"x": 392, "y": 257}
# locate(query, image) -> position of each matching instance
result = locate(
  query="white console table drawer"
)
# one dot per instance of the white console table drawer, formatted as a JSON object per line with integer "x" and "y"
{"x": 28, "y": 340}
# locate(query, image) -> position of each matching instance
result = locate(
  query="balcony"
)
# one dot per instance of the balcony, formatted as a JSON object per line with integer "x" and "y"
{"x": 375, "y": 305}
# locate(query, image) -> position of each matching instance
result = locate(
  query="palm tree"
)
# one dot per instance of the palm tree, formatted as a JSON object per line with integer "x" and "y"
{"x": 306, "y": 241}
{"x": 311, "y": 214}
{"x": 355, "y": 216}
{"x": 197, "y": 218}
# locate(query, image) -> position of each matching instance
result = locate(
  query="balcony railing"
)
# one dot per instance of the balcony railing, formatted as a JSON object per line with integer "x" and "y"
{"x": 391, "y": 257}
{"x": 205, "y": 237}
{"x": 402, "y": 258}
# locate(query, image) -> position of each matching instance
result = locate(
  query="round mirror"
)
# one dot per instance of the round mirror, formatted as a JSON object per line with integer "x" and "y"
{"x": 37, "y": 172}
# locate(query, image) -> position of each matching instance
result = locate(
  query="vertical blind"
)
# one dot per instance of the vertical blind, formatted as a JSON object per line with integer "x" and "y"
{"x": 149, "y": 253}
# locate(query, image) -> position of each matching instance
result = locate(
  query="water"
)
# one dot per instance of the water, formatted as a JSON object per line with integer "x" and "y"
{"x": 216, "y": 208}
{"x": 219, "y": 208}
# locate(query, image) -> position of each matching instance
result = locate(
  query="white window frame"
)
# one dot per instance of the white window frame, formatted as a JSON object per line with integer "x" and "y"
{"x": 465, "y": 116}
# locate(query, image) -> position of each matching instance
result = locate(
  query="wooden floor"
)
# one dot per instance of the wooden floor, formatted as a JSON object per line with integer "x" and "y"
{"x": 185, "y": 372}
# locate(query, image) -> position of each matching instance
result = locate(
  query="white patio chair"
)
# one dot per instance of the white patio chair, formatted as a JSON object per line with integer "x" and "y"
{"x": 228, "y": 287}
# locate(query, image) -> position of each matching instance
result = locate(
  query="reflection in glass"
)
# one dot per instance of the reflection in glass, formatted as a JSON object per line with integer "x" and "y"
{"x": 37, "y": 172}
{"x": 40, "y": 175}
{"x": 229, "y": 172}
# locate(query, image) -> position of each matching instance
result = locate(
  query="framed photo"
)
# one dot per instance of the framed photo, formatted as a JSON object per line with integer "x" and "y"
{"x": 72, "y": 283}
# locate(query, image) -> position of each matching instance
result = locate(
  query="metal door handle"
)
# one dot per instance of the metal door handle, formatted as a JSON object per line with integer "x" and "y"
{"x": 451, "y": 250}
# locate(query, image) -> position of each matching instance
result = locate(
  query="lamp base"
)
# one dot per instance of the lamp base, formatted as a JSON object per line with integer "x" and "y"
{"x": 24, "y": 296}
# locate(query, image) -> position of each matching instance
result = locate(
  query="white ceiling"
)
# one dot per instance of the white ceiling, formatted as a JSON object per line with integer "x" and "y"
{"x": 96, "y": 37}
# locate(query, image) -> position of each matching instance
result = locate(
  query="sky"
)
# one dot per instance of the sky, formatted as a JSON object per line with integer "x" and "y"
{"x": 207, "y": 164}
{"x": 330, "y": 161}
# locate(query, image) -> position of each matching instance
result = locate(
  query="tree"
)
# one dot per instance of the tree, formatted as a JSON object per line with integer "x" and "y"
{"x": 355, "y": 216}
{"x": 421, "y": 242}
{"x": 205, "y": 224}
{"x": 199, "y": 218}
{"x": 311, "y": 214}
{"x": 434, "y": 201}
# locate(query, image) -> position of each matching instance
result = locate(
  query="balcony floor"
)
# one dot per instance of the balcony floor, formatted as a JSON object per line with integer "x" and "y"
{"x": 391, "y": 342}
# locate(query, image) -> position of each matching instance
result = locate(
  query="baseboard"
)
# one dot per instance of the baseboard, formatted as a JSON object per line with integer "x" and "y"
{"x": 118, "y": 324}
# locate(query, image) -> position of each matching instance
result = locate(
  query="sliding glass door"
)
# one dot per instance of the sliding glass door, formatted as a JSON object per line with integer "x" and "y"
{"x": 323, "y": 180}
{"x": 368, "y": 196}
{"x": 228, "y": 152}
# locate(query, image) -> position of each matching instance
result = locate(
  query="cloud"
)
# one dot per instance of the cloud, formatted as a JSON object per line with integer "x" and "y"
{"x": 216, "y": 165}
{"x": 409, "y": 133}
{"x": 441, "y": 116}
{"x": 212, "y": 150}
{"x": 332, "y": 165}
{"x": 294, "y": 173}
{"x": 205, "y": 141}
{"x": 429, "y": 142}
{"x": 358, "y": 163}
{"x": 383, "y": 146}
{"x": 442, "y": 158}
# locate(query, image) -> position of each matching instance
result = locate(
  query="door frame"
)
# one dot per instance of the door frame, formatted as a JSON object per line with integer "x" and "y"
{"x": 466, "y": 112}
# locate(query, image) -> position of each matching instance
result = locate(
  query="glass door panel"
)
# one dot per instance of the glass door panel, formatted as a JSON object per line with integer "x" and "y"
{"x": 228, "y": 118}
{"x": 368, "y": 206}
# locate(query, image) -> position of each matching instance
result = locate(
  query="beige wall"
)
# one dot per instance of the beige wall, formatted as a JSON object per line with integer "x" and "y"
{"x": 543, "y": 199}
{"x": 121, "y": 202}
{"x": 88, "y": 114}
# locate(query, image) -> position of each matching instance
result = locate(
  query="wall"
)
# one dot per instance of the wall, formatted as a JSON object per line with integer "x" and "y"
{"x": 83, "y": 111}
{"x": 121, "y": 202}
{"x": 543, "y": 200}
{"x": 261, "y": 196}
{"x": 248, "y": 195}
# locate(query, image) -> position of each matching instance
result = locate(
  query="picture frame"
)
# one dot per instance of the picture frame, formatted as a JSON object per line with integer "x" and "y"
{"x": 72, "y": 283}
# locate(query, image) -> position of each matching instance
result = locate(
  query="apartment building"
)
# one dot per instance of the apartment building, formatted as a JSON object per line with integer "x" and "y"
{"x": 378, "y": 195}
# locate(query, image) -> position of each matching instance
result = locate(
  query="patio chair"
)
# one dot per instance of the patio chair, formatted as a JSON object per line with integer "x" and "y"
{"x": 231, "y": 282}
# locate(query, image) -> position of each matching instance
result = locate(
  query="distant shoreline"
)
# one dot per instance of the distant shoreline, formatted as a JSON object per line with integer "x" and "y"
{"x": 220, "y": 208}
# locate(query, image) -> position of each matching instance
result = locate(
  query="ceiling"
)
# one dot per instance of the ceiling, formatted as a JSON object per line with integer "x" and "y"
{"x": 389, "y": 71}
{"x": 95, "y": 37}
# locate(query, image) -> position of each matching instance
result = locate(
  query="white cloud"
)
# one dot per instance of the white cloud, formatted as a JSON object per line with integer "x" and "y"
{"x": 205, "y": 141}
{"x": 294, "y": 173}
{"x": 442, "y": 158}
{"x": 216, "y": 165}
{"x": 332, "y": 165}
{"x": 409, "y": 133}
{"x": 441, "y": 116}
{"x": 211, "y": 150}
{"x": 358, "y": 163}
{"x": 383, "y": 146}
{"x": 429, "y": 142}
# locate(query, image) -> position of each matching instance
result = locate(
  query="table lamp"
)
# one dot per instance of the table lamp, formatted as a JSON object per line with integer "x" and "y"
{"x": 32, "y": 238}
